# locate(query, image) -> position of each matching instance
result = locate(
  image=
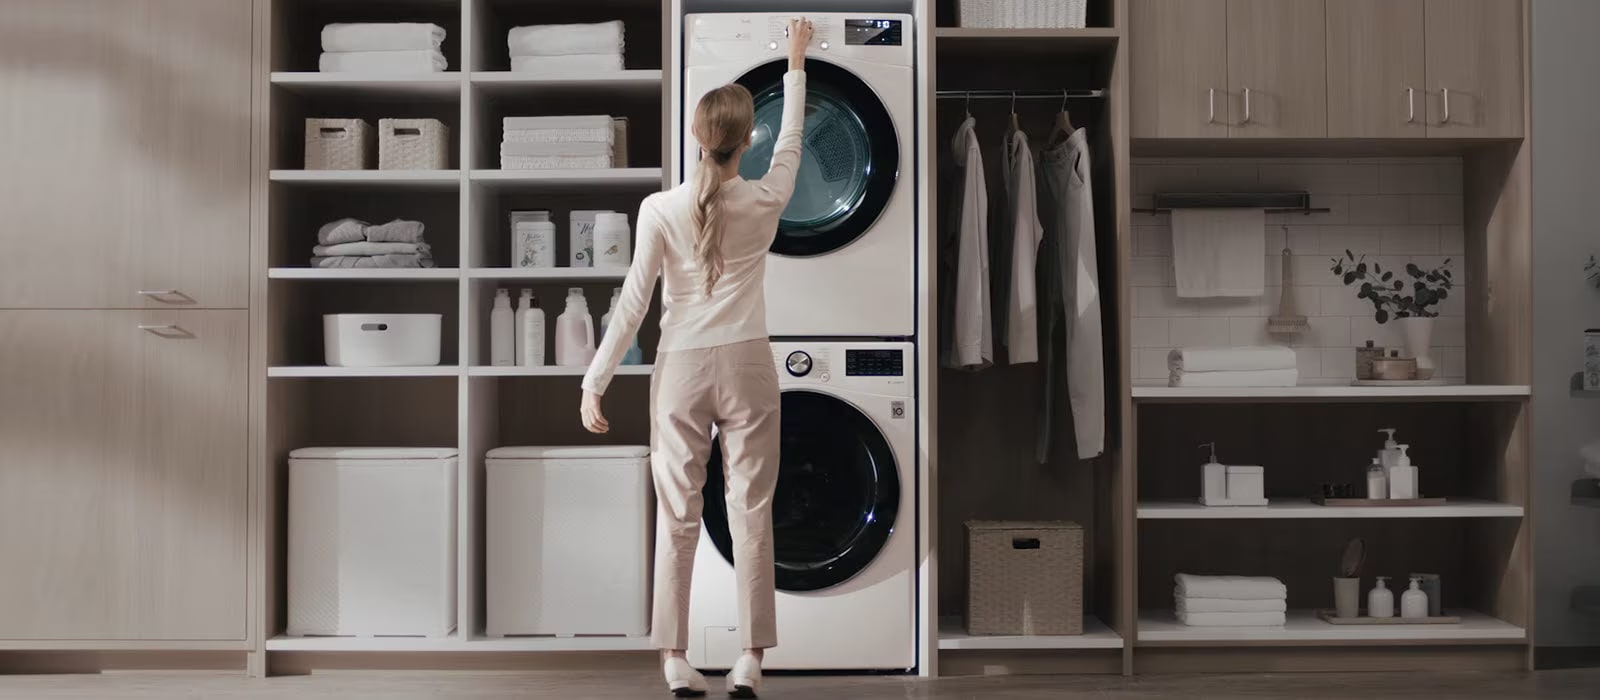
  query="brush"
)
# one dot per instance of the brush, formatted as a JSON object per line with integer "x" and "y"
{"x": 1288, "y": 321}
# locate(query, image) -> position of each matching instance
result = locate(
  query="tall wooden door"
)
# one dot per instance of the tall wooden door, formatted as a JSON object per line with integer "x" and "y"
{"x": 1475, "y": 68}
{"x": 126, "y": 129}
{"x": 1376, "y": 69}
{"x": 1180, "y": 68}
{"x": 1277, "y": 68}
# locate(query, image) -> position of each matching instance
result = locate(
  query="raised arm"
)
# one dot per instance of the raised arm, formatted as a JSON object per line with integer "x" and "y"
{"x": 631, "y": 303}
{"x": 779, "y": 180}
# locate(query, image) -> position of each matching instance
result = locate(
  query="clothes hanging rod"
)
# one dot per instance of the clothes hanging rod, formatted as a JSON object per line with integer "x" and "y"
{"x": 1021, "y": 94}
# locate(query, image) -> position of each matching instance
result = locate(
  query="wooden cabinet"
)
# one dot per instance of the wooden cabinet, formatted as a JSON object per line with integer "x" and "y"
{"x": 1180, "y": 68}
{"x": 126, "y": 128}
{"x": 123, "y": 467}
{"x": 1376, "y": 68}
{"x": 1475, "y": 75}
{"x": 1277, "y": 68}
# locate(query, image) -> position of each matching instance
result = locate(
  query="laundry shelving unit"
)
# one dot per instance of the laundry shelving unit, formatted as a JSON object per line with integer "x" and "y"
{"x": 1151, "y": 393}
{"x": 1304, "y": 509}
{"x": 1304, "y": 628}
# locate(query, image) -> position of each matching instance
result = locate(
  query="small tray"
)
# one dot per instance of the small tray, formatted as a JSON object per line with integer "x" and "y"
{"x": 1333, "y": 618}
{"x": 1399, "y": 382}
{"x": 1375, "y": 502}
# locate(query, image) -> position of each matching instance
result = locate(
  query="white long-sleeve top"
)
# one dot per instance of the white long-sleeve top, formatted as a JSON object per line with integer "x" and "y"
{"x": 971, "y": 340}
{"x": 1022, "y": 309}
{"x": 736, "y": 308}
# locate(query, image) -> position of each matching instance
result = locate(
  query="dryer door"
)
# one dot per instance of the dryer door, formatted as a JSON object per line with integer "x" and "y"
{"x": 837, "y": 495}
{"x": 849, "y": 158}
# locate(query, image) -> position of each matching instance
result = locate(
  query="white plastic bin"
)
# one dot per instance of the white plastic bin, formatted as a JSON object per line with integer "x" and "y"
{"x": 372, "y": 541}
{"x": 381, "y": 340}
{"x": 569, "y": 541}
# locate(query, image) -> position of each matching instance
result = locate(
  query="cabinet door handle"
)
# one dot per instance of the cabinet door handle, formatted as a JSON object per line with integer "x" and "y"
{"x": 158, "y": 292}
{"x": 1246, "y": 107}
{"x": 1211, "y": 106}
{"x": 158, "y": 327}
{"x": 1411, "y": 105}
{"x": 1446, "y": 93}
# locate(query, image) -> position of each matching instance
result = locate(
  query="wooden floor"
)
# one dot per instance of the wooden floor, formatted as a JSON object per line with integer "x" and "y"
{"x": 595, "y": 686}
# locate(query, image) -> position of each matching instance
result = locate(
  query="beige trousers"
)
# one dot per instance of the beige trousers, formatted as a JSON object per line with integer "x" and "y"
{"x": 735, "y": 388}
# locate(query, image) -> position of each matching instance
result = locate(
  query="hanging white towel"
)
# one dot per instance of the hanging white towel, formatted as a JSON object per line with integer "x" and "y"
{"x": 565, "y": 39}
{"x": 1265, "y": 377}
{"x": 574, "y": 63}
{"x": 1245, "y": 358}
{"x": 379, "y": 36}
{"x": 1219, "y": 252}
{"x": 386, "y": 62}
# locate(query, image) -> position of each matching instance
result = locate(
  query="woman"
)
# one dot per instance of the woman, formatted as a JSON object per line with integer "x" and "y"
{"x": 708, "y": 238}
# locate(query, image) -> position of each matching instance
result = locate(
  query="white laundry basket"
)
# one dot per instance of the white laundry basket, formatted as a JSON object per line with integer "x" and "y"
{"x": 569, "y": 541}
{"x": 381, "y": 340}
{"x": 372, "y": 541}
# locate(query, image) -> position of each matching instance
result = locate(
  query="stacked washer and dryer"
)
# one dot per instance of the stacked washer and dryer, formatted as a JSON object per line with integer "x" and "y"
{"x": 841, "y": 306}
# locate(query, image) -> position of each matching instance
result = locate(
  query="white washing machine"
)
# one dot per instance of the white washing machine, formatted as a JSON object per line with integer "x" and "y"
{"x": 844, "y": 260}
{"x": 843, "y": 517}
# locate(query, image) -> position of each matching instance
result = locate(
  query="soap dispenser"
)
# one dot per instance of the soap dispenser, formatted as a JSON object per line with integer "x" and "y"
{"x": 1380, "y": 602}
{"x": 1213, "y": 479}
{"x": 1403, "y": 476}
{"x": 1414, "y": 603}
{"x": 1390, "y": 452}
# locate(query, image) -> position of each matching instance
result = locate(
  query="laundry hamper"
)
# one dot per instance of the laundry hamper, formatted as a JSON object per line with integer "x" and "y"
{"x": 568, "y": 546}
{"x": 413, "y": 144}
{"x": 372, "y": 541}
{"x": 1051, "y": 14}
{"x": 1024, "y": 578}
{"x": 338, "y": 144}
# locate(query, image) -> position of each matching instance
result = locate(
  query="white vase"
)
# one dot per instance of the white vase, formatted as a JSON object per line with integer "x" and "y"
{"x": 1418, "y": 336}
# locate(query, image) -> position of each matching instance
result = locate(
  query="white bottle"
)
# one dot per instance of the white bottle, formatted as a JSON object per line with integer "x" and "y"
{"x": 1403, "y": 476}
{"x": 580, "y": 232}
{"x": 533, "y": 239}
{"x": 502, "y": 338}
{"x": 1377, "y": 481}
{"x": 631, "y": 356}
{"x": 611, "y": 243}
{"x": 1213, "y": 479}
{"x": 1414, "y": 603}
{"x": 575, "y": 331}
{"x": 1389, "y": 454}
{"x": 1380, "y": 602}
{"x": 530, "y": 331}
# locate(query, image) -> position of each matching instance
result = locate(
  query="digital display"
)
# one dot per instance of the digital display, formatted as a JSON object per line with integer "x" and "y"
{"x": 872, "y": 32}
{"x": 874, "y": 363}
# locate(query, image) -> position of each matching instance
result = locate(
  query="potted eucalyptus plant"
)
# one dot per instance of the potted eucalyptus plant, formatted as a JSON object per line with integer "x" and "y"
{"x": 1410, "y": 297}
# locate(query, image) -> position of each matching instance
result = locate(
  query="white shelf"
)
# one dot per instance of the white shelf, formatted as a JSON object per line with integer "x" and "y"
{"x": 1341, "y": 391}
{"x": 553, "y": 274}
{"x": 1096, "y": 635}
{"x": 430, "y": 85}
{"x": 287, "y": 643}
{"x": 560, "y": 644}
{"x": 632, "y": 178}
{"x": 364, "y": 274}
{"x": 429, "y": 179}
{"x": 1301, "y": 508}
{"x": 315, "y": 371}
{"x": 634, "y": 81}
{"x": 1160, "y": 627}
{"x": 553, "y": 371}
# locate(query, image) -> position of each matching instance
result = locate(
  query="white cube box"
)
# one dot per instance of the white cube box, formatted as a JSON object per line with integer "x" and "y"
{"x": 381, "y": 340}
{"x": 568, "y": 546}
{"x": 372, "y": 541}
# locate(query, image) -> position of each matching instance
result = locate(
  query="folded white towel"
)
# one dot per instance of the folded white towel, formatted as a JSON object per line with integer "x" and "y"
{"x": 596, "y": 135}
{"x": 556, "y": 162}
{"x": 555, "y": 149}
{"x": 575, "y": 63}
{"x": 565, "y": 39}
{"x": 1266, "y": 377}
{"x": 1248, "y": 358}
{"x": 1221, "y": 605}
{"x": 382, "y": 62}
{"x": 370, "y": 248}
{"x": 1231, "y": 587}
{"x": 342, "y": 231}
{"x": 1228, "y": 619}
{"x": 372, "y": 261}
{"x": 382, "y": 36}
{"x": 556, "y": 121}
{"x": 1219, "y": 252}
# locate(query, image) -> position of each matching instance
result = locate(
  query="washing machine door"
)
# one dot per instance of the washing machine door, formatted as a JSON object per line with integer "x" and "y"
{"x": 837, "y": 495}
{"x": 849, "y": 161}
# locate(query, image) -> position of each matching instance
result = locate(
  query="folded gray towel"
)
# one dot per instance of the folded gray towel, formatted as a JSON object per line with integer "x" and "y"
{"x": 342, "y": 231}
{"x": 397, "y": 231}
{"x": 372, "y": 261}
{"x": 370, "y": 248}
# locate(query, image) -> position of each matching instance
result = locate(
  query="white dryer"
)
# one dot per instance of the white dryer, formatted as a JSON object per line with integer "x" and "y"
{"x": 843, "y": 518}
{"x": 844, "y": 260}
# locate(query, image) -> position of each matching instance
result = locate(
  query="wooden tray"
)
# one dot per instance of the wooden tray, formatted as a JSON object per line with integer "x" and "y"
{"x": 1331, "y": 618}
{"x": 1400, "y": 382}
{"x": 1380, "y": 502}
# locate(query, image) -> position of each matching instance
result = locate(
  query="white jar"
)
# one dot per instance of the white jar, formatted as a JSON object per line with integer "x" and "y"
{"x": 533, "y": 239}
{"x": 611, "y": 240}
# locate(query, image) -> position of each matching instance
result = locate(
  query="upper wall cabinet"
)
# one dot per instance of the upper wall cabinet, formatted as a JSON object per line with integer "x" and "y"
{"x": 1180, "y": 68}
{"x": 1277, "y": 70}
{"x": 1375, "y": 69}
{"x": 1475, "y": 71}
{"x": 128, "y": 123}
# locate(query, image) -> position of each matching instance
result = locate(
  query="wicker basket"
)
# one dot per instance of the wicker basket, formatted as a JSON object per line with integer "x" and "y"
{"x": 413, "y": 144}
{"x": 1024, "y": 578}
{"x": 1010, "y": 14}
{"x": 338, "y": 144}
{"x": 619, "y": 142}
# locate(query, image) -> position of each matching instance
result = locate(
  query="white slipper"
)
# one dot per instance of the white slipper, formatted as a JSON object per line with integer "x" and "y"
{"x": 682, "y": 679}
{"x": 744, "y": 679}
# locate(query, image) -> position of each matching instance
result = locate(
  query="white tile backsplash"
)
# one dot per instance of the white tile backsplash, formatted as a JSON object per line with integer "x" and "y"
{"x": 1394, "y": 211}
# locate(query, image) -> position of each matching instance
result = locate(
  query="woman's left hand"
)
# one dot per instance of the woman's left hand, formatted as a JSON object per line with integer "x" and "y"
{"x": 594, "y": 420}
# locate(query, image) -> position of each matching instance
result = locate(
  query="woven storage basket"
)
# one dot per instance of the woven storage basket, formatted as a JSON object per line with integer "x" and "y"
{"x": 413, "y": 144}
{"x": 1024, "y": 578}
{"x": 619, "y": 142}
{"x": 1051, "y": 14}
{"x": 338, "y": 144}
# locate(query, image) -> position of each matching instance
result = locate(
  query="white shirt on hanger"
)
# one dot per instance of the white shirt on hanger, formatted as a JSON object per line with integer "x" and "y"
{"x": 1022, "y": 310}
{"x": 972, "y": 338}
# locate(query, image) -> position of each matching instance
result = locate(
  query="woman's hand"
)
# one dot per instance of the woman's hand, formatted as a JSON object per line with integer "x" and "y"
{"x": 800, "y": 31}
{"x": 593, "y": 419}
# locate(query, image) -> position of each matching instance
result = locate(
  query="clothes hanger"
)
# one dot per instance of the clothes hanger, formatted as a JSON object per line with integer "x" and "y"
{"x": 1063, "y": 126}
{"x": 1014, "y": 124}
{"x": 968, "y": 106}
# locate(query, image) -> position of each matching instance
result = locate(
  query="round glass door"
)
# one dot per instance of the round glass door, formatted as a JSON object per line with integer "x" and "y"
{"x": 849, "y": 158}
{"x": 837, "y": 495}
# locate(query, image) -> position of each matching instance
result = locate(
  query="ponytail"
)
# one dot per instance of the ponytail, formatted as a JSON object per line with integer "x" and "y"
{"x": 708, "y": 223}
{"x": 722, "y": 123}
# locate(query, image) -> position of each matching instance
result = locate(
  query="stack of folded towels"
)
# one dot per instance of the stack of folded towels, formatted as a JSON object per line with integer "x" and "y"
{"x": 1262, "y": 365}
{"x": 1230, "y": 601}
{"x": 401, "y": 47}
{"x": 355, "y": 243}
{"x": 566, "y": 48}
{"x": 558, "y": 143}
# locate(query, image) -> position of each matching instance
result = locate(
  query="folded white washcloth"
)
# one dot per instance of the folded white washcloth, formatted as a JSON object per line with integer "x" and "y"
{"x": 1231, "y": 587}
{"x": 1218, "y": 359}
{"x": 370, "y": 248}
{"x": 372, "y": 261}
{"x": 1266, "y": 377}
{"x": 565, "y": 39}
{"x": 1222, "y": 605}
{"x": 382, "y": 36}
{"x": 383, "y": 62}
{"x": 1226, "y": 619}
{"x": 575, "y": 63}
{"x": 556, "y": 162}
{"x": 556, "y": 121}
{"x": 596, "y": 135}
{"x": 1219, "y": 252}
{"x": 555, "y": 149}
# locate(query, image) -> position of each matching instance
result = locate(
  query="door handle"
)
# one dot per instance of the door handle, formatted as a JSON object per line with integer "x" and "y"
{"x": 157, "y": 292}
{"x": 1246, "y": 107}
{"x": 1211, "y": 106}
{"x": 1446, "y": 118}
{"x": 158, "y": 327}
{"x": 1411, "y": 105}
